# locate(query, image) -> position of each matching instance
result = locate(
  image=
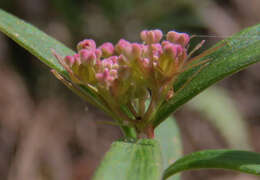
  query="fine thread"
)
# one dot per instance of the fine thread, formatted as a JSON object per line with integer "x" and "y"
{"x": 215, "y": 36}
{"x": 220, "y": 37}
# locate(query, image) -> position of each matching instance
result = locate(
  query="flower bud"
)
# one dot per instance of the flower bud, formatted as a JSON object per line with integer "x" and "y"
{"x": 110, "y": 62}
{"x": 158, "y": 35}
{"x": 113, "y": 59}
{"x": 172, "y": 50}
{"x": 136, "y": 50}
{"x": 77, "y": 59}
{"x": 150, "y": 37}
{"x": 107, "y": 49}
{"x": 179, "y": 38}
{"x": 123, "y": 47}
{"x": 106, "y": 77}
{"x": 98, "y": 53}
{"x": 155, "y": 50}
{"x": 69, "y": 60}
{"x": 86, "y": 44}
{"x": 87, "y": 57}
{"x": 143, "y": 35}
{"x": 184, "y": 39}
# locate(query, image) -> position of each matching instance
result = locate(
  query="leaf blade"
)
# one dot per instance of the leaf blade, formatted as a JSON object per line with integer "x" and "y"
{"x": 32, "y": 39}
{"x": 41, "y": 45}
{"x": 234, "y": 54}
{"x": 168, "y": 134}
{"x": 131, "y": 161}
{"x": 242, "y": 161}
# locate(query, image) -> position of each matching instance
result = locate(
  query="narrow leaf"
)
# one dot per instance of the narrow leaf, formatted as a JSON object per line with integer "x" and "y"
{"x": 168, "y": 134}
{"x": 37, "y": 43}
{"x": 32, "y": 39}
{"x": 233, "y": 54}
{"x": 243, "y": 161}
{"x": 41, "y": 45}
{"x": 131, "y": 161}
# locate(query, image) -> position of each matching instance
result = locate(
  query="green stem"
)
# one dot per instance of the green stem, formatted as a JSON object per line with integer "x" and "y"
{"x": 129, "y": 132}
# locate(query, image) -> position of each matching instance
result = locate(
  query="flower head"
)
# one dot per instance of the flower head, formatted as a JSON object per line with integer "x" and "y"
{"x": 128, "y": 74}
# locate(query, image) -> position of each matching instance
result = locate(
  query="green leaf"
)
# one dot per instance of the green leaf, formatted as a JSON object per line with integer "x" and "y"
{"x": 32, "y": 39}
{"x": 233, "y": 54}
{"x": 131, "y": 161}
{"x": 41, "y": 45}
{"x": 168, "y": 134}
{"x": 227, "y": 119}
{"x": 38, "y": 44}
{"x": 243, "y": 161}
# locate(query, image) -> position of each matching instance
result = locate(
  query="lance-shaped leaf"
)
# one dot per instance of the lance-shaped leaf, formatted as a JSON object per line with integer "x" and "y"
{"x": 32, "y": 39}
{"x": 168, "y": 134}
{"x": 41, "y": 45}
{"x": 131, "y": 161}
{"x": 225, "y": 58}
{"x": 243, "y": 161}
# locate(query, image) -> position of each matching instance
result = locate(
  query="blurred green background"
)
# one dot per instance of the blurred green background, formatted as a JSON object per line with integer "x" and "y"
{"x": 48, "y": 133}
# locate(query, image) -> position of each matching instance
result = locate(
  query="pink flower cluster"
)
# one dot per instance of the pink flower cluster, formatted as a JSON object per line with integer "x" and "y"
{"x": 125, "y": 75}
{"x": 127, "y": 68}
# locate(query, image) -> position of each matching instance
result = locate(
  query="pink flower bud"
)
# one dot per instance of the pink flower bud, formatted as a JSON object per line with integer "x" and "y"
{"x": 155, "y": 50}
{"x": 77, "y": 59}
{"x": 136, "y": 50}
{"x": 179, "y": 38}
{"x": 143, "y": 35}
{"x": 110, "y": 62}
{"x": 107, "y": 77}
{"x": 150, "y": 37}
{"x": 172, "y": 36}
{"x": 107, "y": 49}
{"x": 69, "y": 60}
{"x": 102, "y": 76}
{"x": 86, "y": 44}
{"x": 98, "y": 53}
{"x": 123, "y": 47}
{"x": 113, "y": 59}
{"x": 87, "y": 57}
{"x": 165, "y": 43}
{"x": 172, "y": 50}
{"x": 184, "y": 39}
{"x": 158, "y": 35}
